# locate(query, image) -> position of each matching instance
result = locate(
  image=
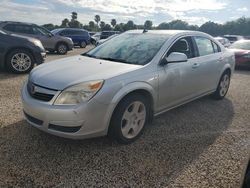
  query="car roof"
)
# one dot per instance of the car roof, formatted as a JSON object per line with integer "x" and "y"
{"x": 13, "y": 22}
{"x": 170, "y": 32}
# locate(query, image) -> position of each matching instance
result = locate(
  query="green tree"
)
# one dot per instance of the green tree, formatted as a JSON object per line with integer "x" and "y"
{"x": 113, "y": 22}
{"x": 119, "y": 27}
{"x": 73, "y": 16}
{"x": 211, "y": 28}
{"x": 178, "y": 24}
{"x": 107, "y": 27}
{"x": 102, "y": 25}
{"x": 129, "y": 26}
{"x": 97, "y": 19}
{"x": 91, "y": 24}
{"x": 74, "y": 23}
{"x": 148, "y": 24}
{"x": 65, "y": 23}
{"x": 163, "y": 25}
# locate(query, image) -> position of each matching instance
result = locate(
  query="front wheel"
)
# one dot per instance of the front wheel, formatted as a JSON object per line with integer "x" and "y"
{"x": 129, "y": 119}
{"x": 20, "y": 61}
{"x": 62, "y": 49}
{"x": 83, "y": 44}
{"x": 223, "y": 86}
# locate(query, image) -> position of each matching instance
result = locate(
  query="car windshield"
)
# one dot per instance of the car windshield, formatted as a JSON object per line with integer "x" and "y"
{"x": 131, "y": 48}
{"x": 245, "y": 45}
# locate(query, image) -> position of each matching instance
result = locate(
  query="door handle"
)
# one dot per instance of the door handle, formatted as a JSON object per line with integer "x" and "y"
{"x": 195, "y": 65}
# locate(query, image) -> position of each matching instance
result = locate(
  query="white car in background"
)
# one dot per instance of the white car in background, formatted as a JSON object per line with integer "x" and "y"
{"x": 224, "y": 41}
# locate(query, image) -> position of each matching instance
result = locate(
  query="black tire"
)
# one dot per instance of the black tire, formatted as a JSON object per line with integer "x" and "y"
{"x": 83, "y": 44}
{"x": 11, "y": 61}
{"x": 62, "y": 48}
{"x": 247, "y": 180}
{"x": 117, "y": 121}
{"x": 218, "y": 94}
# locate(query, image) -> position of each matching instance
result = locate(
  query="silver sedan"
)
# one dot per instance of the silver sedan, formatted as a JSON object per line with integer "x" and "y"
{"x": 116, "y": 88}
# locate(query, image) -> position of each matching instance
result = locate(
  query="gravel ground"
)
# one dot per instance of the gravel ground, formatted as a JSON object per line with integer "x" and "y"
{"x": 205, "y": 143}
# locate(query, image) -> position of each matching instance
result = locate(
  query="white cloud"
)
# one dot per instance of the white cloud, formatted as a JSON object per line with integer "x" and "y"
{"x": 46, "y": 11}
{"x": 243, "y": 9}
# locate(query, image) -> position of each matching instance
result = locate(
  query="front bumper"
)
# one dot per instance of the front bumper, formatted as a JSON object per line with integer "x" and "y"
{"x": 75, "y": 122}
{"x": 39, "y": 57}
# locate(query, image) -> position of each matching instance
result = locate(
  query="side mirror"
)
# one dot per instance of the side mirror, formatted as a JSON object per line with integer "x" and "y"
{"x": 175, "y": 57}
{"x": 50, "y": 35}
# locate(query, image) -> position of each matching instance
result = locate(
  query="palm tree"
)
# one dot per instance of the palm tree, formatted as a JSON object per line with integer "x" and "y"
{"x": 97, "y": 19}
{"x": 113, "y": 22}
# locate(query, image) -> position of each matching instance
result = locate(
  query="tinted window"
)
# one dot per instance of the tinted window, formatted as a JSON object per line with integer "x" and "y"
{"x": 9, "y": 27}
{"x": 204, "y": 45}
{"x": 183, "y": 45}
{"x": 26, "y": 29}
{"x": 131, "y": 48}
{"x": 41, "y": 30}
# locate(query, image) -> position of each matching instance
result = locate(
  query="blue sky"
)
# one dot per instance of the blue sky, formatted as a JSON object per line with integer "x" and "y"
{"x": 192, "y": 11}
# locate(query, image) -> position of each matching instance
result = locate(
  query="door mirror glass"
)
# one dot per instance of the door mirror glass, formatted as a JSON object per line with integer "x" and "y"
{"x": 176, "y": 57}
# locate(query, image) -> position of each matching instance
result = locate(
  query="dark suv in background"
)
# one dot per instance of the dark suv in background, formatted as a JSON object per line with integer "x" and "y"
{"x": 107, "y": 34}
{"x": 18, "y": 54}
{"x": 50, "y": 41}
{"x": 80, "y": 37}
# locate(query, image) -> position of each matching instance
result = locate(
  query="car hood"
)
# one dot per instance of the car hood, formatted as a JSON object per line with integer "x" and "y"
{"x": 63, "y": 73}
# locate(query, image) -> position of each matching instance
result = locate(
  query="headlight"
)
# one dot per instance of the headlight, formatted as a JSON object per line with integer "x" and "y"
{"x": 79, "y": 93}
{"x": 38, "y": 43}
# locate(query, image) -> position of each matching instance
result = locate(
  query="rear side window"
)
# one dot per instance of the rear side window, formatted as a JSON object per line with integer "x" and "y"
{"x": 216, "y": 47}
{"x": 24, "y": 29}
{"x": 204, "y": 45}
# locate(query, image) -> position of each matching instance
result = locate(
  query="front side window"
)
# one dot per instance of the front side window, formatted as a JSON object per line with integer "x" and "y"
{"x": 204, "y": 45}
{"x": 131, "y": 48}
{"x": 183, "y": 45}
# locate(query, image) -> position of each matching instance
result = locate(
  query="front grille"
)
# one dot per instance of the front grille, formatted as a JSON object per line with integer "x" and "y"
{"x": 33, "y": 119}
{"x": 40, "y": 93}
{"x": 64, "y": 129}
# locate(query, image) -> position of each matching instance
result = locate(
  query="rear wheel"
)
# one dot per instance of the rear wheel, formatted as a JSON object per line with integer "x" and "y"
{"x": 129, "y": 119}
{"x": 223, "y": 86}
{"x": 20, "y": 61}
{"x": 83, "y": 44}
{"x": 62, "y": 48}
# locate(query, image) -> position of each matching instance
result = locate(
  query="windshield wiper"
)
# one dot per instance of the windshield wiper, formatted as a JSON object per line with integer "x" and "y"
{"x": 113, "y": 59}
{"x": 88, "y": 55}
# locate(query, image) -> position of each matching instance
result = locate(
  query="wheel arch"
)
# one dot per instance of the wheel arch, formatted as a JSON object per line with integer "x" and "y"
{"x": 16, "y": 48}
{"x": 130, "y": 89}
{"x": 61, "y": 42}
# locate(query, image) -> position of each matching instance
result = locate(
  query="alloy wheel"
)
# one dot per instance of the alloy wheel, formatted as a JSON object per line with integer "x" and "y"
{"x": 21, "y": 62}
{"x": 133, "y": 119}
